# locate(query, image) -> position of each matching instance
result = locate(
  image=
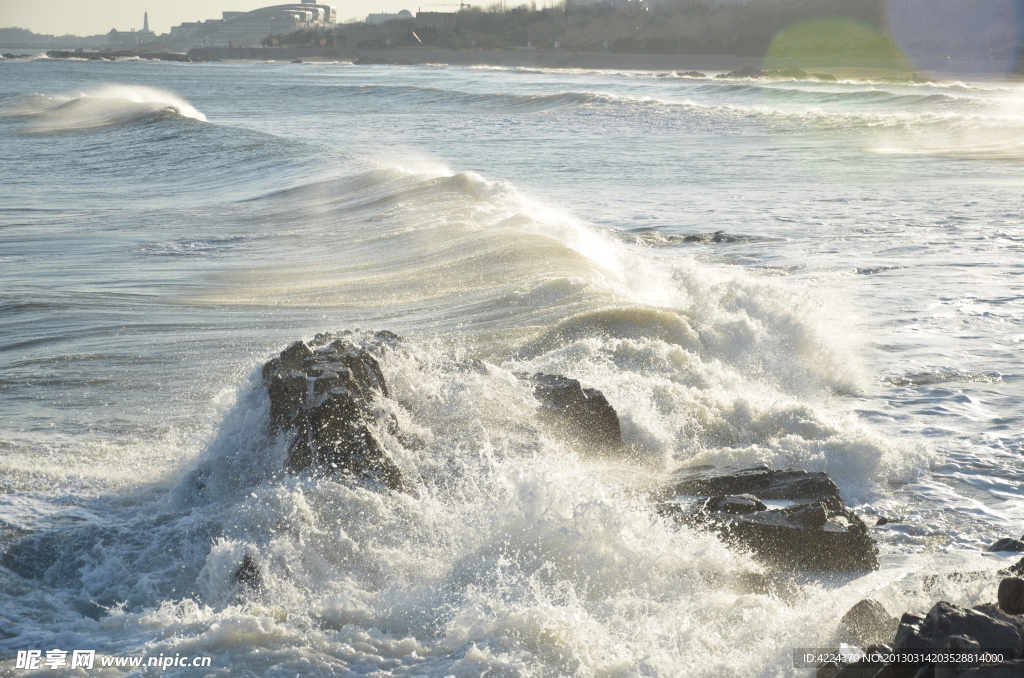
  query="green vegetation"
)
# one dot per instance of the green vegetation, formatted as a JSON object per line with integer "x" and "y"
{"x": 834, "y": 39}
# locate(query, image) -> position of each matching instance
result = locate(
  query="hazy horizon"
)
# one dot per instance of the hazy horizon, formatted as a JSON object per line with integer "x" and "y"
{"x": 70, "y": 18}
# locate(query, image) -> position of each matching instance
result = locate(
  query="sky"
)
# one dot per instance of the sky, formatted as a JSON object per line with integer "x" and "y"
{"x": 89, "y": 17}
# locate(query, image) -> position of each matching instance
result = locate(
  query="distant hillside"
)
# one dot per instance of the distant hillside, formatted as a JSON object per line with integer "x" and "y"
{"x": 840, "y": 29}
{"x": 21, "y": 38}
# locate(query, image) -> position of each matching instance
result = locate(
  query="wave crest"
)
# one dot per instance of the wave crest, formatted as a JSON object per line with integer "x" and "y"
{"x": 107, "y": 106}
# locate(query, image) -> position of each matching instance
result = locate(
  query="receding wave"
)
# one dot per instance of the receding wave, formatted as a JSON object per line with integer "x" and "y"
{"x": 107, "y": 106}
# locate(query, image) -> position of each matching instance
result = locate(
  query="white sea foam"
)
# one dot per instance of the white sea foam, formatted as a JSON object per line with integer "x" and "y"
{"x": 522, "y": 553}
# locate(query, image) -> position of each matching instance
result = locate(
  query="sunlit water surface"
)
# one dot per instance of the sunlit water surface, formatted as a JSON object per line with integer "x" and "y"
{"x": 165, "y": 228}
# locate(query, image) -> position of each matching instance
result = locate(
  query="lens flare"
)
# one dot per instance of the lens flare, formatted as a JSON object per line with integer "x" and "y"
{"x": 962, "y": 36}
{"x": 835, "y": 38}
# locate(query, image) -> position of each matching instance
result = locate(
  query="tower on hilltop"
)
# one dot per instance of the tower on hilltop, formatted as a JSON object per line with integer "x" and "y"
{"x": 145, "y": 21}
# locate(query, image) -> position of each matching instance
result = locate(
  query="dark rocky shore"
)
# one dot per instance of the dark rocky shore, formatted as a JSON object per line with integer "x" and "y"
{"x": 949, "y": 641}
{"x": 325, "y": 404}
{"x": 114, "y": 55}
{"x": 322, "y": 394}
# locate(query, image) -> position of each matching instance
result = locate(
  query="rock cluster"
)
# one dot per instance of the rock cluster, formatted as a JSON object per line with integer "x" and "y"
{"x": 806, "y": 527}
{"x": 945, "y": 629}
{"x": 322, "y": 394}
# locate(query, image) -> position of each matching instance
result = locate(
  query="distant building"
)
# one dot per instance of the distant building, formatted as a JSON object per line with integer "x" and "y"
{"x": 374, "y": 19}
{"x": 250, "y": 28}
{"x": 394, "y": 30}
{"x": 127, "y": 39}
{"x": 442, "y": 21}
{"x": 145, "y": 35}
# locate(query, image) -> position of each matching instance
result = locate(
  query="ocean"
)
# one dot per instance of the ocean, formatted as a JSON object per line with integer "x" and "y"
{"x": 806, "y": 274}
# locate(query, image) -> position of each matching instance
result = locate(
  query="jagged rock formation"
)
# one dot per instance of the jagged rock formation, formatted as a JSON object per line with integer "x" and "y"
{"x": 947, "y": 629}
{"x": 321, "y": 393}
{"x": 867, "y": 623}
{"x": 582, "y": 415}
{"x": 807, "y": 528}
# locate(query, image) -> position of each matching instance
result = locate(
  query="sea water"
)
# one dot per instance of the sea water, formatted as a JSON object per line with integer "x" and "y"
{"x": 806, "y": 274}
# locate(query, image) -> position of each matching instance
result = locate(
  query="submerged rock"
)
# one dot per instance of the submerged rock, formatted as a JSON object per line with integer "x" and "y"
{"x": 321, "y": 394}
{"x": 580, "y": 414}
{"x": 809, "y": 528}
{"x": 248, "y": 574}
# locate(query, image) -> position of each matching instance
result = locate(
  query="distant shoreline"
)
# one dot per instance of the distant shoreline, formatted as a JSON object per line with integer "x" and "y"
{"x": 940, "y": 68}
{"x": 706, "y": 63}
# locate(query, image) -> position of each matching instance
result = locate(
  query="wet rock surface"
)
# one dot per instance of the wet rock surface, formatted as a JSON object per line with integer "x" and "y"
{"x": 1011, "y": 595}
{"x": 930, "y": 631}
{"x": 321, "y": 393}
{"x": 248, "y": 574}
{"x": 580, "y": 414}
{"x": 808, "y": 527}
{"x": 867, "y": 623}
{"x": 1007, "y": 544}
{"x": 945, "y": 629}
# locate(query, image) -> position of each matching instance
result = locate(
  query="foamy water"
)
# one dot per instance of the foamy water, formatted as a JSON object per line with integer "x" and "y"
{"x": 859, "y": 312}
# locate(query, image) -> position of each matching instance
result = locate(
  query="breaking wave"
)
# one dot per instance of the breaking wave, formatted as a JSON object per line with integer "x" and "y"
{"x": 107, "y": 106}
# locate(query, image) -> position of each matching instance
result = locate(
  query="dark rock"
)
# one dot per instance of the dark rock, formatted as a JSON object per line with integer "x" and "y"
{"x": 1011, "y": 595}
{"x": 248, "y": 574}
{"x": 716, "y": 237}
{"x": 898, "y": 671}
{"x": 374, "y": 61}
{"x": 956, "y": 645}
{"x": 736, "y": 503}
{"x": 813, "y": 517}
{"x": 1006, "y": 544}
{"x": 759, "y": 481}
{"x": 112, "y": 56}
{"x": 747, "y": 72}
{"x": 867, "y": 623}
{"x": 817, "y": 532}
{"x": 1017, "y": 569}
{"x": 882, "y": 521}
{"x": 930, "y": 632}
{"x": 1005, "y": 670}
{"x": 580, "y": 414}
{"x": 992, "y": 610}
{"x": 296, "y": 61}
{"x": 321, "y": 393}
{"x": 794, "y": 73}
{"x": 865, "y": 668}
